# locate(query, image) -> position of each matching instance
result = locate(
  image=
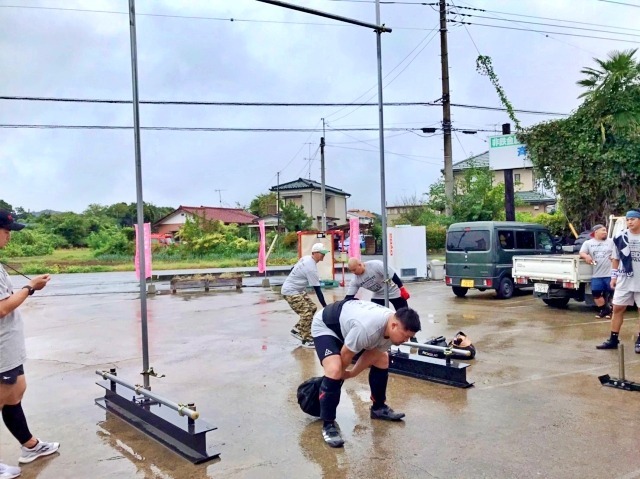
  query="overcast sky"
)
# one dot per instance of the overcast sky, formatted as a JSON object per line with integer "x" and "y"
{"x": 190, "y": 51}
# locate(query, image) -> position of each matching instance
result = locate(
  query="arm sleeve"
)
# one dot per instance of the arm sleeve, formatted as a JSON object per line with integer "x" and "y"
{"x": 396, "y": 280}
{"x": 320, "y": 296}
{"x": 584, "y": 248}
{"x": 350, "y": 297}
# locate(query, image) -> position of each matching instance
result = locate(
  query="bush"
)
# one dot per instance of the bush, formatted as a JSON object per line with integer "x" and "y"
{"x": 110, "y": 240}
{"x": 436, "y": 236}
{"x": 30, "y": 243}
{"x": 290, "y": 240}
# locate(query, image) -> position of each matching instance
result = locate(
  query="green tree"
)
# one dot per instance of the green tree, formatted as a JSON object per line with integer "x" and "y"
{"x": 608, "y": 86}
{"x": 264, "y": 204}
{"x": 294, "y": 218}
{"x": 5, "y": 206}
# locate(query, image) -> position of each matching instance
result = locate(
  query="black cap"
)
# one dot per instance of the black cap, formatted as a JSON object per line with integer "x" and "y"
{"x": 8, "y": 223}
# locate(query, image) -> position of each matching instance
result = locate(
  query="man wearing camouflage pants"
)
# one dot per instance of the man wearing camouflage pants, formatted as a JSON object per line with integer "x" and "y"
{"x": 303, "y": 274}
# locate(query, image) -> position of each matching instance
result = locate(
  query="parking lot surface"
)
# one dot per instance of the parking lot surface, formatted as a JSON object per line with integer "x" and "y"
{"x": 537, "y": 409}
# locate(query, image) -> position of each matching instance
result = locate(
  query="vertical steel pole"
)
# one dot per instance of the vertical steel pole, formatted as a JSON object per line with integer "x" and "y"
{"x": 383, "y": 199}
{"x": 136, "y": 132}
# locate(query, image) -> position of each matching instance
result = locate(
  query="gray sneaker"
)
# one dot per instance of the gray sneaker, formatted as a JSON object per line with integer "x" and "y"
{"x": 296, "y": 334}
{"x": 39, "y": 450}
{"x": 8, "y": 472}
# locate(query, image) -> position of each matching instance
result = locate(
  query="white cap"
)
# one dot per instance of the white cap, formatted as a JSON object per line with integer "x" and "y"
{"x": 319, "y": 248}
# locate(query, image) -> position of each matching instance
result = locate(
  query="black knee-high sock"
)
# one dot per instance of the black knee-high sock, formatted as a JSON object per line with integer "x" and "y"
{"x": 13, "y": 417}
{"x": 329, "y": 398}
{"x": 378, "y": 379}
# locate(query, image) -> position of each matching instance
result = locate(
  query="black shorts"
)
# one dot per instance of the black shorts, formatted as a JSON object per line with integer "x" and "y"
{"x": 329, "y": 346}
{"x": 11, "y": 376}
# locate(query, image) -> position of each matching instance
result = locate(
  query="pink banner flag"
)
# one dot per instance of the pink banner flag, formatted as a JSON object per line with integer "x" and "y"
{"x": 147, "y": 252}
{"x": 262, "y": 255}
{"x": 354, "y": 238}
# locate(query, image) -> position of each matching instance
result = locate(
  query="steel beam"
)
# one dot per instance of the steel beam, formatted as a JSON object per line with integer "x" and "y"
{"x": 443, "y": 371}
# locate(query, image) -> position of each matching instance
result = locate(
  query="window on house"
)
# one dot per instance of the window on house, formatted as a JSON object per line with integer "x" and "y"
{"x": 516, "y": 178}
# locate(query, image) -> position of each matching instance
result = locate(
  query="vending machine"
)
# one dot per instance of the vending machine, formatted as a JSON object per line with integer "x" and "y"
{"x": 407, "y": 251}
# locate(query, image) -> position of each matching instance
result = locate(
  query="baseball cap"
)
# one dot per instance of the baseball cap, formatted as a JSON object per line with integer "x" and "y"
{"x": 319, "y": 248}
{"x": 8, "y": 223}
{"x": 596, "y": 228}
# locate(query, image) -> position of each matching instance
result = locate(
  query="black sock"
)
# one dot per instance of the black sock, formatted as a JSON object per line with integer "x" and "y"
{"x": 329, "y": 398}
{"x": 614, "y": 336}
{"x": 13, "y": 417}
{"x": 327, "y": 423}
{"x": 378, "y": 379}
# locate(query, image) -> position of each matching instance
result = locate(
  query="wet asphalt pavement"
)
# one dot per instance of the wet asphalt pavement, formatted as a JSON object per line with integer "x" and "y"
{"x": 537, "y": 409}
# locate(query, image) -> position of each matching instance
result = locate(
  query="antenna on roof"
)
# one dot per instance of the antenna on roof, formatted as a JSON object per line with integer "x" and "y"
{"x": 220, "y": 195}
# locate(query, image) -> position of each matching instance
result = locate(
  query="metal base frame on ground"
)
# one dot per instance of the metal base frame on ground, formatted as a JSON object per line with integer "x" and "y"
{"x": 620, "y": 382}
{"x": 443, "y": 371}
{"x": 183, "y": 435}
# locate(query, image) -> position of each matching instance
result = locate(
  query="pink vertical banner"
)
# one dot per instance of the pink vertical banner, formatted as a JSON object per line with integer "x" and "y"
{"x": 354, "y": 238}
{"x": 147, "y": 252}
{"x": 262, "y": 255}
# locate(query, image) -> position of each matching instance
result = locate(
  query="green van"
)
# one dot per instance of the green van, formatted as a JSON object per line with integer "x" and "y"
{"x": 479, "y": 254}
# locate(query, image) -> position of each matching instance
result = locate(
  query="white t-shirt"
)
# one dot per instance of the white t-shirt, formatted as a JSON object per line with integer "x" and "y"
{"x": 626, "y": 283}
{"x": 601, "y": 252}
{"x": 13, "y": 352}
{"x": 373, "y": 279}
{"x": 362, "y": 325}
{"x": 303, "y": 274}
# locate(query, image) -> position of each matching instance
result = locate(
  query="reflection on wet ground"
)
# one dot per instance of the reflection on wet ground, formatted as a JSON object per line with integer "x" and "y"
{"x": 536, "y": 410}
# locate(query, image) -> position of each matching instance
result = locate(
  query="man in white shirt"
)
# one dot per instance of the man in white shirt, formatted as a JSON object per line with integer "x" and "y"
{"x": 351, "y": 329}
{"x": 294, "y": 290}
{"x": 597, "y": 251}
{"x": 625, "y": 277}
{"x": 370, "y": 275}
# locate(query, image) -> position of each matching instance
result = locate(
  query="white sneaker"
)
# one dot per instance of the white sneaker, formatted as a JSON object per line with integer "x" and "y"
{"x": 39, "y": 450}
{"x": 8, "y": 472}
{"x": 308, "y": 344}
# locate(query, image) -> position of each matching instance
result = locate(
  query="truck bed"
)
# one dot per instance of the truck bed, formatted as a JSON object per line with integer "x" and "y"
{"x": 557, "y": 268}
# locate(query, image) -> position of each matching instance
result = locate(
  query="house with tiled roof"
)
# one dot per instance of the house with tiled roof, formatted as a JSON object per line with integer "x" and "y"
{"x": 306, "y": 193}
{"x": 172, "y": 222}
{"x": 524, "y": 183}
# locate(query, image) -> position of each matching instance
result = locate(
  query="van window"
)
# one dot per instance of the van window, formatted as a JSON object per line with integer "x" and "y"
{"x": 544, "y": 241}
{"x": 506, "y": 240}
{"x": 525, "y": 240}
{"x": 472, "y": 240}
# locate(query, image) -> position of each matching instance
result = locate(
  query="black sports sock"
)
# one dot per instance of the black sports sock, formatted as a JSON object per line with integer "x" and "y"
{"x": 378, "y": 379}
{"x": 16, "y": 422}
{"x": 614, "y": 336}
{"x": 329, "y": 398}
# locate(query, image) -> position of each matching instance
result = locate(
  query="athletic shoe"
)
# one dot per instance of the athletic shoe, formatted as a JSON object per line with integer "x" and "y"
{"x": 8, "y": 472}
{"x": 308, "y": 344}
{"x": 296, "y": 334}
{"x": 608, "y": 344}
{"x": 603, "y": 315}
{"x": 332, "y": 436}
{"x": 39, "y": 450}
{"x": 637, "y": 348}
{"x": 386, "y": 413}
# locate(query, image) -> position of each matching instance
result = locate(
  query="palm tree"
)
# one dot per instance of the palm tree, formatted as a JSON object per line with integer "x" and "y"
{"x": 617, "y": 76}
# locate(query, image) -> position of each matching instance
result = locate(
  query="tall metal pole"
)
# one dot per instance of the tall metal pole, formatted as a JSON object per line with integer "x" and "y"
{"x": 446, "y": 110}
{"x": 383, "y": 199}
{"x": 140, "y": 209}
{"x": 322, "y": 186}
{"x": 278, "y": 204}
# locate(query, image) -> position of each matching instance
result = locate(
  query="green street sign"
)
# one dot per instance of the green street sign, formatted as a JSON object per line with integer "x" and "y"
{"x": 504, "y": 140}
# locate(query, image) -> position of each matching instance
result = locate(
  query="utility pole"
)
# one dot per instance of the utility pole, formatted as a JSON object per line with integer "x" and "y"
{"x": 446, "y": 110}
{"x": 278, "y": 203}
{"x": 322, "y": 187}
{"x": 509, "y": 195}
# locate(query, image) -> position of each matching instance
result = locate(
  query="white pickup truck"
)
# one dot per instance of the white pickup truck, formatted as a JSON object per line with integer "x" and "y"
{"x": 559, "y": 278}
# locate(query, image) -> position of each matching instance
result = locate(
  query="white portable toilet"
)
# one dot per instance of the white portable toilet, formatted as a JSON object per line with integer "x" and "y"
{"x": 407, "y": 251}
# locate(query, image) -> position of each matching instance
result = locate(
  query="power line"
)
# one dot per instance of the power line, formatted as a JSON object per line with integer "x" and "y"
{"x": 269, "y": 104}
{"x": 621, "y": 3}
{"x": 544, "y": 31}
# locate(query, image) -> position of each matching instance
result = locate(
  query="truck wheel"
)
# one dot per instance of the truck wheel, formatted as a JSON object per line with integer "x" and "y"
{"x": 459, "y": 291}
{"x": 505, "y": 288}
{"x": 556, "y": 302}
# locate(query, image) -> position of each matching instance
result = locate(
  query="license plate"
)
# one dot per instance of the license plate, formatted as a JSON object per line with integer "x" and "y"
{"x": 466, "y": 283}
{"x": 541, "y": 287}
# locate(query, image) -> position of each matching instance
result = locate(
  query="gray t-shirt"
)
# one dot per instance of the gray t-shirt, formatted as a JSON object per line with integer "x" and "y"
{"x": 362, "y": 324}
{"x": 12, "y": 347}
{"x": 303, "y": 274}
{"x": 626, "y": 283}
{"x": 373, "y": 279}
{"x": 601, "y": 252}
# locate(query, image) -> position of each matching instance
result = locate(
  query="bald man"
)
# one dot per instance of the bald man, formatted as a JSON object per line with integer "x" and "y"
{"x": 371, "y": 275}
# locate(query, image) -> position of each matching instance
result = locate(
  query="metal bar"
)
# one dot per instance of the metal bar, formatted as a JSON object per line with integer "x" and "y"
{"x": 436, "y": 370}
{"x": 380, "y": 28}
{"x": 433, "y": 347}
{"x": 180, "y": 408}
{"x": 139, "y": 200}
{"x": 621, "y": 361}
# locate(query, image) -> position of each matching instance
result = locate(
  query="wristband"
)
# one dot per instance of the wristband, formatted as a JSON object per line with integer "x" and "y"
{"x": 30, "y": 288}
{"x": 614, "y": 273}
